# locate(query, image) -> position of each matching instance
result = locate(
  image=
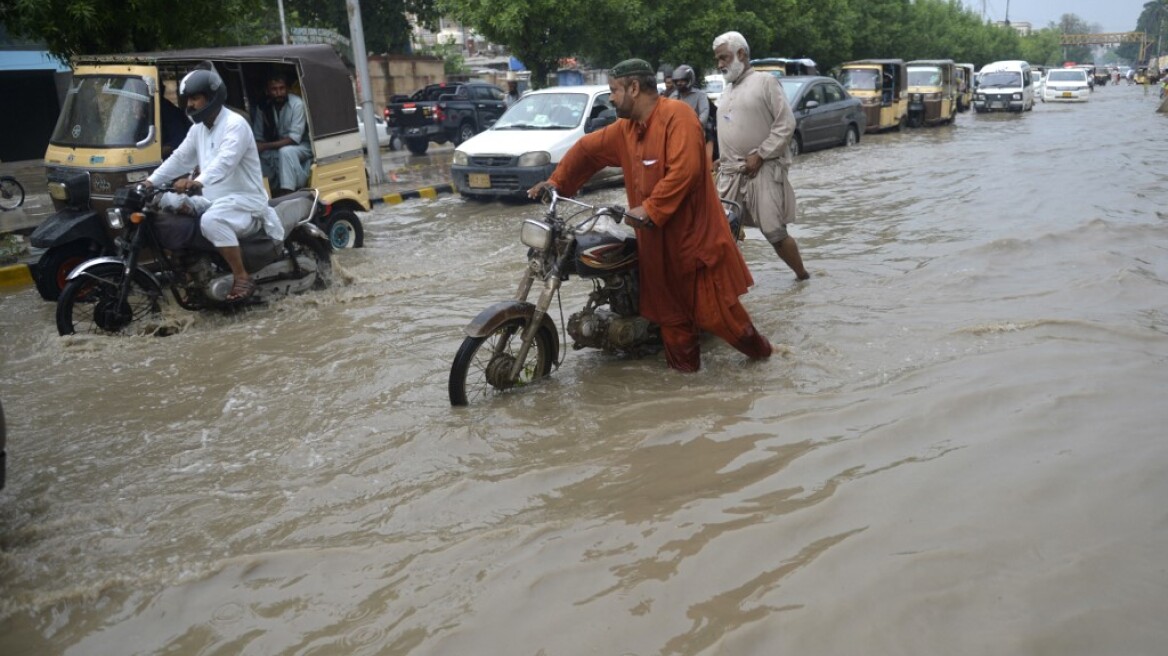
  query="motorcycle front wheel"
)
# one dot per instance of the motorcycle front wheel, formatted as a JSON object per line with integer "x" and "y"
{"x": 483, "y": 365}
{"x": 89, "y": 303}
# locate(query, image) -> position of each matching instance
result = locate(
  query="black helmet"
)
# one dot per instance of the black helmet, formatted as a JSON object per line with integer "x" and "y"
{"x": 208, "y": 83}
{"x": 685, "y": 72}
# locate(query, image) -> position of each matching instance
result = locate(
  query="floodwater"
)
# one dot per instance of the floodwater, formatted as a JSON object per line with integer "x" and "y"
{"x": 959, "y": 447}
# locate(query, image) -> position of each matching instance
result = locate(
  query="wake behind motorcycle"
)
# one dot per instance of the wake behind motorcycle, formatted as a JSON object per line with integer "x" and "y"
{"x": 512, "y": 343}
{"x": 121, "y": 294}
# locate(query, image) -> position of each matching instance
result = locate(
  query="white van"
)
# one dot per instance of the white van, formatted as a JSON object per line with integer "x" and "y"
{"x": 1004, "y": 86}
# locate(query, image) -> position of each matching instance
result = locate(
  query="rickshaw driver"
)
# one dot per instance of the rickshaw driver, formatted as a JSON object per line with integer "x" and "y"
{"x": 281, "y": 134}
{"x": 221, "y": 145}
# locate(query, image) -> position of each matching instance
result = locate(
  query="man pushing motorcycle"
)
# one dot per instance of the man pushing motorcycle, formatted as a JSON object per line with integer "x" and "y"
{"x": 691, "y": 271}
{"x": 222, "y": 146}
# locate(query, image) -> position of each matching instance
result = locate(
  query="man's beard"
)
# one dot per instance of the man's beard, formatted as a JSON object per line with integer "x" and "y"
{"x": 734, "y": 71}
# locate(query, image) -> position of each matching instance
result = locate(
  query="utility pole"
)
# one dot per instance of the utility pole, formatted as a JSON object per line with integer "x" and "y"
{"x": 283, "y": 26}
{"x": 361, "y": 61}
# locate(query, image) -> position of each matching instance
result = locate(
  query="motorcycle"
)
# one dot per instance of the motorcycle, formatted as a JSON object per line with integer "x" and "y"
{"x": 513, "y": 343}
{"x": 122, "y": 294}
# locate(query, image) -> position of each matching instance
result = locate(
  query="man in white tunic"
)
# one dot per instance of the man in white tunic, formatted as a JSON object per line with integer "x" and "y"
{"x": 281, "y": 134}
{"x": 221, "y": 145}
{"x": 755, "y": 127}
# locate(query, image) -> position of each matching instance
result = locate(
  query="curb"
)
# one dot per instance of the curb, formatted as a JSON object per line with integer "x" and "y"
{"x": 424, "y": 192}
{"x": 15, "y": 275}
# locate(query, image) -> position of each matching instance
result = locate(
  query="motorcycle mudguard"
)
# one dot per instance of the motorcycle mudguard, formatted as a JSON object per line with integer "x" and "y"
{"x": 70, "y": 225}
{"x": 110, "y": 259}
{"x": 494, "y": 315}
{"x": 313, "y": 230}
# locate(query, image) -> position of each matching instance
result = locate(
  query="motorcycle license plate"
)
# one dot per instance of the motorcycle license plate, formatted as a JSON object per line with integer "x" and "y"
{"x": 478, "y": 180}
{"x": 1068, "y": 94}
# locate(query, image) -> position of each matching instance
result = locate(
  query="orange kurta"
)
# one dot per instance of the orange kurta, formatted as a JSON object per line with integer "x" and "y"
{"x": 691, "y": 271}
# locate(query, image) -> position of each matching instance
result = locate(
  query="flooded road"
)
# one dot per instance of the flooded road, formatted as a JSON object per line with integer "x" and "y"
{"x": 958, "y": 447}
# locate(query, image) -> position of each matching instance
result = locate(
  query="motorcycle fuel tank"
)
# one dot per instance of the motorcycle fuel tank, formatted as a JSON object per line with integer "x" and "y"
{"x": 599, "y": 254}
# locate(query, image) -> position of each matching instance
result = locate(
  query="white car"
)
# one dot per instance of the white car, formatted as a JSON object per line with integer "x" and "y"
{"x": 527, "y": 142}
{"x": 1066, "y": 85}
{"x": 714, "y": 86}
{"x": 383, "y": 138}
{"x": 1037, "y": 81}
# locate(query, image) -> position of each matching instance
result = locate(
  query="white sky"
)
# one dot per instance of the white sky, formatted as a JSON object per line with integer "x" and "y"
{"x": 1112, "y": 15}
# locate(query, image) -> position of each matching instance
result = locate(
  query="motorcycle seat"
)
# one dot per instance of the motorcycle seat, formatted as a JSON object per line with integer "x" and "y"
{"x": 293, "y": 208}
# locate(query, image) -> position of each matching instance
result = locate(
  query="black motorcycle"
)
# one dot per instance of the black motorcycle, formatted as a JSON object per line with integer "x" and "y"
{"x": 513, "y": 343}
{"x": 159, "y": 250}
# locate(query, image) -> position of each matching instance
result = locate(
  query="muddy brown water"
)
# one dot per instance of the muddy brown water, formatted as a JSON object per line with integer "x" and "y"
{"x": 959, "y": 449}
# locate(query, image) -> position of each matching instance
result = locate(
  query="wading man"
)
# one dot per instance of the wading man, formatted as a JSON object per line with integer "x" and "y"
{"x": 691, "y": 272}
{"x": 755, "y": 128}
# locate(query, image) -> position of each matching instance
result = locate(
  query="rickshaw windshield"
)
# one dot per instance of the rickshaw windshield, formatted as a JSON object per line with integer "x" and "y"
{"x": 105, "y": 111}
{"x": 924, "y": 77}
{"x": 860, "y": 79}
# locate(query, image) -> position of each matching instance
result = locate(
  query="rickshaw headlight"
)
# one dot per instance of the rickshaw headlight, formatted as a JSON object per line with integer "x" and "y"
{"x": 535, "y": 158}
{"x": 136, "y": 176}
{"x": 460, "y": 158}
{"x": 115, "y": 218}
{"x": 916, "y": 96}
{"x": 535, "y": 234}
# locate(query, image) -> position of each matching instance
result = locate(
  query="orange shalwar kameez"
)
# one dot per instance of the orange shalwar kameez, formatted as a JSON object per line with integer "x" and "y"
{"x": 691, "y": 271}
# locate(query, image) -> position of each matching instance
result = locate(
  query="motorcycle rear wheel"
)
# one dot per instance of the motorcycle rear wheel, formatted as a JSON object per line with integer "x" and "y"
{"x": 89, "y": 303}
{"x": 321, "y": 253}
{"x": 478, "y": 372}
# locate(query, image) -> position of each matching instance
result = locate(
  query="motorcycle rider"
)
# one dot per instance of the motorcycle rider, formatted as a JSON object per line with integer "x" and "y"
{"x": 684, "y": 80}
{"x": 222, "y": 146}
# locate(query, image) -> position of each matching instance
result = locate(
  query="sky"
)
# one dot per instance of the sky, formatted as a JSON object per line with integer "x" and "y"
{"x": 1112, "y": 15}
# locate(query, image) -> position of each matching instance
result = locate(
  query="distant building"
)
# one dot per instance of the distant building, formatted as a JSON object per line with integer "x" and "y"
{"x": 1021, "y": 27}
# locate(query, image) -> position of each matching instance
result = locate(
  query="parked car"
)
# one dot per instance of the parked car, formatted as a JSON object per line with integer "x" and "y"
{"x": 453, "y": 112}
{"x": 384, "y": 138}
{"x": 524, "y": 146}
{"x": 1066, "y": 85}
{"x": 825, "y": 114}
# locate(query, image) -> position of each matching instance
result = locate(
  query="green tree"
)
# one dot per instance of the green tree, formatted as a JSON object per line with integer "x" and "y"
{"x": 386, "y": 23}
{"x": 70, "y": 27}
{"x": 1153, "y": 22}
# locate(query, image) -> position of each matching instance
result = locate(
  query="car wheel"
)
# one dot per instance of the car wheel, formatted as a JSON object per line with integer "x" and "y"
{"x": 853, "y": 136}
{"x": 796, "y": 145}
{"x": 417, "y": 145}
{"x": 465, "y": 132}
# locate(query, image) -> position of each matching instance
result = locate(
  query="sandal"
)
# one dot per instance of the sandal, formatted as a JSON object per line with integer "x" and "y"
{"x": 241, "y": 290}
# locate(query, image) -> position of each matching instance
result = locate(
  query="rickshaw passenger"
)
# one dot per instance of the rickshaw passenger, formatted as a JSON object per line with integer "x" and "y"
{"x": 281, "y": 134}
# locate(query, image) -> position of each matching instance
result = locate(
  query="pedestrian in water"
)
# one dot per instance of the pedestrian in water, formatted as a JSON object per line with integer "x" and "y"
{"x": 691, "y": 271}
{"x": 755, "y": 128}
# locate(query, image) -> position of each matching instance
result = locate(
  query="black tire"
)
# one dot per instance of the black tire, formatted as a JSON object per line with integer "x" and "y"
{"x": 344, "y": 230}
{"x": 305, "y": 244}
{"x": 465, "y": 132}
{"x": 796, "y": 145}
{"x": 478, "y": 372}
{"x": 11, "y": 193}
{"x": 901, "y": 123}
{"x": 852, "y": 137}
{"x": 56, "y": 263}
{"x": 417, "y": 145}
{"x": 89, "y": 303}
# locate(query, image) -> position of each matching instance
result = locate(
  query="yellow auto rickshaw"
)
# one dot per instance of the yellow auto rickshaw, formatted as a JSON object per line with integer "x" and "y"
{"x": 932, "y": 92}
{"x": 782, "y": 67}
{"x": 964, "y": 86}
{"x": 881, "y": 85}
{"x": 122, "y": 116}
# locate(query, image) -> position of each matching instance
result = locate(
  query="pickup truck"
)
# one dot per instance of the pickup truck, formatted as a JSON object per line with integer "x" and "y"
{"x": 453, "y": 111}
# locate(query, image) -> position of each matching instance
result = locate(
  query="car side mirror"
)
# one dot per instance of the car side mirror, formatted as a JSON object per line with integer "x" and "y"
{"x": 811, "y": 104}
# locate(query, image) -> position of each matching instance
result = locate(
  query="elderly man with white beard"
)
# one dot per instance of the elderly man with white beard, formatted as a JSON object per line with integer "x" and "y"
{"x": 755, "y": 127}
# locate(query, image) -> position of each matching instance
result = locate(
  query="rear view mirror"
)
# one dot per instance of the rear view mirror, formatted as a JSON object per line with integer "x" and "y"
{"x": 811, "y": 104}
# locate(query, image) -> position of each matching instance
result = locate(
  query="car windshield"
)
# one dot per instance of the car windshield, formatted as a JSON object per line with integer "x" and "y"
{"x": 1001, "y": 79}
{"x": 862, "y": 79}
{"x": 544, "y": 111}
{"x": 791, "y": 87}
{"x": 1066, "y": 76}
{"x": 924, "y": 77}
{"x": 105, "y": 111}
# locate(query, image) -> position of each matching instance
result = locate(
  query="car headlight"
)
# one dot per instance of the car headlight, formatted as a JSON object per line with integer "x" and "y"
{"x": 980, "y": 96}
{"x": 536, "y": 234}
{"x": 460, "y": 158}
{"x": 1017, "y": 96}
{"x": 115, "y": 218}
{"x": 535, "y": 158}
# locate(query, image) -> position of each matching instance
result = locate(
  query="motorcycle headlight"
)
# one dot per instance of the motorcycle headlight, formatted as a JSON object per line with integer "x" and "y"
{"x": 460, "y": 158}
{"x": 115, "y": 218}
{"x": 535, "y": 234}
{"x": 535, "y": 158}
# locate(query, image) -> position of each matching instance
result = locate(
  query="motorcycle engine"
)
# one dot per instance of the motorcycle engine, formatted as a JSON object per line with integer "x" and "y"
{"x": 609, "y": 331}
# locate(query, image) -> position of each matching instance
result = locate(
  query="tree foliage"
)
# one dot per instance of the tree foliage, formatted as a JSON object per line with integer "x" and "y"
{"x": 386, "y": 23}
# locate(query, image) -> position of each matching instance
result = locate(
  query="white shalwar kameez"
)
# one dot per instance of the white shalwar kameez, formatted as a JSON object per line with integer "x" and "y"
{"x": 229, "y": 170}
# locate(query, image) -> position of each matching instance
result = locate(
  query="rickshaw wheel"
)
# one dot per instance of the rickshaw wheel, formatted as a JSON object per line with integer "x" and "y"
{"x": 344, "y": 230}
